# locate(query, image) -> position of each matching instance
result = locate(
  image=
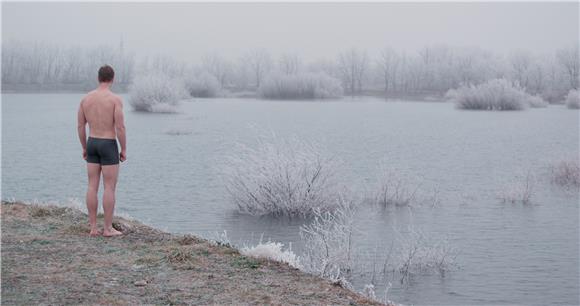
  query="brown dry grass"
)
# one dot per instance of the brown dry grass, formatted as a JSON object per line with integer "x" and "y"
{"x": 49, "y": 258}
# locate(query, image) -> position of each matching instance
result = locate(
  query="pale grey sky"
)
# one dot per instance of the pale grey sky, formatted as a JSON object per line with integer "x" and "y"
{"x": 313, "y": 30}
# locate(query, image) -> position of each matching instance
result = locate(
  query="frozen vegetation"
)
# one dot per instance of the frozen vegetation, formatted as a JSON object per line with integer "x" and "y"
{"x": 418, "y": 253}
{"x": 535, "y": 101}
{"x": 281, "y": 177}
{"x": 328, "y": 241}
{"x": 303, "y": 86}
{"x": 573, "y": 99}
{"x": 566, "y": 173}
{"x": 156, "y": 93}
{"x": 203, "y": 85}
{"x": 497, "y": 94}
{"x": 520, "y": 191}
{"x": 393, "y": 189}
{"x": 429, "y": 71}
{"x": 273, "y": 251}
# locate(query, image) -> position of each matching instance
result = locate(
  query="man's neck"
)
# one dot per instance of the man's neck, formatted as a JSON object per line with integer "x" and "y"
{"x": 104, "y": 86}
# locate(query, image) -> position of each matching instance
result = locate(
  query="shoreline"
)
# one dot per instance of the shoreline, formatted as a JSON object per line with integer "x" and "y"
{"x": 49, "y": 258}
{"x": 248, "y": 94}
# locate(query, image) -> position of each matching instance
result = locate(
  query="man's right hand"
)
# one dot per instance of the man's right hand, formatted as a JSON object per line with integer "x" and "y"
{"x": 123, "y": 156}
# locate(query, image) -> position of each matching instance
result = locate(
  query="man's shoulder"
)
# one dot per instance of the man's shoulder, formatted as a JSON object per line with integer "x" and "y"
{"x": 87, "y": 96}
{"x": 117, "y": 99}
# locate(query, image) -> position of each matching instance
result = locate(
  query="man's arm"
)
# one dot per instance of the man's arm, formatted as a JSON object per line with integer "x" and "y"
{"x": 81, "y": 124}
{"x": 120, "y": 128}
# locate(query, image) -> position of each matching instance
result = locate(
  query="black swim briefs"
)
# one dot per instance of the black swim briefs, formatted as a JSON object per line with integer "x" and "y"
{"x": 102, "y": 151}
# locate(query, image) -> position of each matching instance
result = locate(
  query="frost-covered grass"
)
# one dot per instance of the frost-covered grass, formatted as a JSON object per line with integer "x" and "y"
{"x": 281, "y": 177}
{"x": 328, "y": 241}
{"x": 303, "y": 86}
{"x": 566, "y": 173}
{"x": 156, "y": 93}
{"x": 573, "y": 99}
{"x": 203, "y": 85}
{"x": 497, "y": 94}
{"x": 273, "y": 251}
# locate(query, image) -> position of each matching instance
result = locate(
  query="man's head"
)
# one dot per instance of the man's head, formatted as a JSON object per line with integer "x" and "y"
{"x": 106, "y": 74}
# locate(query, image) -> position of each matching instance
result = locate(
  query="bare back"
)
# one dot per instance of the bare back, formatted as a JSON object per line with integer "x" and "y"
{"x": 99, "y": 110}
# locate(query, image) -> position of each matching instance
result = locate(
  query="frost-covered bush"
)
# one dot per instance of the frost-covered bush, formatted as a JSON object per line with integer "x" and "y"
{"x": 393, "y": 189}
{"x": 536, "y": 101}
{"x": 303, "y": 86}
{"x": 273, "y": 251}
{"x": 418, "y": 253}
{"x": 450, "y": 95}
{"x": 497, "y": 94}
{"x": 156, "y": 93}
{"x": 573, "y": 99}
{"x": 328, "y": 241}
{"x": 204, "y": 85}
{"x": 369, "y": 292}
{"x": 281, "y": 177}
{"x": 520, "y": 191}
{"x": 566, "y": 173}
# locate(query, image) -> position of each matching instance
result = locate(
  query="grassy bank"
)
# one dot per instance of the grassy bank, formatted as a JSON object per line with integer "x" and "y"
{"x": 49, "y": 258}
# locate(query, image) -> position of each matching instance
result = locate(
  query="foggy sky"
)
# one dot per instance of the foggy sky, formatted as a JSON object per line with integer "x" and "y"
{"x": 313, "y": 30}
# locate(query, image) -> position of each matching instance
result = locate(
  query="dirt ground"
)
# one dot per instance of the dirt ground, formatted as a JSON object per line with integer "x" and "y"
{"x": 49, "y": 258}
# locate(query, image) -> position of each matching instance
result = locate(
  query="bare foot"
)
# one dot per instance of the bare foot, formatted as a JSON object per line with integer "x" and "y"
{"x": 94, "y": 232}
{"x": 112, "y": 232}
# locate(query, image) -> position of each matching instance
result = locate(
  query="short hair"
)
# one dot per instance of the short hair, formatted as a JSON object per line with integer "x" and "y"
{"x": 106, "y": 74}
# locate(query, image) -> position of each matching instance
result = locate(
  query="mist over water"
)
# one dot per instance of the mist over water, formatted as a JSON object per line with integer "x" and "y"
{"x": 508, "y": 253}
{"x": 367, "y": 83}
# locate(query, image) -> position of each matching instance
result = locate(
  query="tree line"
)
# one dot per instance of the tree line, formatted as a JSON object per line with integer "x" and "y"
{"x": 390, "y": 72}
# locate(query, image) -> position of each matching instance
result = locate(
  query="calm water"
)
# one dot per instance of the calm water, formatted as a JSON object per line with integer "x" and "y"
{"x": 509, "y": 253}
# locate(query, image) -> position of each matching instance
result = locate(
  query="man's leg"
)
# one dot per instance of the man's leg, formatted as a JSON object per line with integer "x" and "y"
{"x": 94, "y": 173}
{"x": 110, "y": 174}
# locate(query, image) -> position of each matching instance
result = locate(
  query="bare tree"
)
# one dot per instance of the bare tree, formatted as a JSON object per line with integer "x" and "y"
{"x": 290, "y": 64}
{"x": 520, "y": 64}
{"x": 260, "y": 63}
{"x": 388, "y": 64}
{"x": 353, "y": 66}
{"x": 569, "y": 59}
{"x": 217, "y": 66}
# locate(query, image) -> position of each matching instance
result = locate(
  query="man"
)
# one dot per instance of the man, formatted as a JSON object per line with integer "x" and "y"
{"x": 103, "y": 111}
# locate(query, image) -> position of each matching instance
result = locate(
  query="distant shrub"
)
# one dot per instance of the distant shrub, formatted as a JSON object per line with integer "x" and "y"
{"x": 451, "y": 95}
{"x": 156, "y": 93}
{"x": 303, "y": 86}
{"x": 498, "y": 94}
{"x": 573, "y": 99}
{"x": 536, "y": 101}
{"x": 566, "y": 173}
{"x": 203, "y": 85}
{"x": 281, "y": 178}
{"x": 553, "y": 96}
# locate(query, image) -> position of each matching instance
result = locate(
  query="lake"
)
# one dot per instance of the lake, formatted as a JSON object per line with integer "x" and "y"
{"x": 508, "y": 253}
